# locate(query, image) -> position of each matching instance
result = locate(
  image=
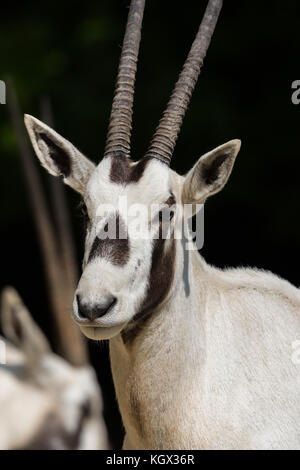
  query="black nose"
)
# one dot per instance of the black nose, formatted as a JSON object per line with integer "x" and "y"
{"x": 92, "y": 312}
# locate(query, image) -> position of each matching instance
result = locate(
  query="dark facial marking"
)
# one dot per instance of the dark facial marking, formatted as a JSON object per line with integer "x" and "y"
{"x": 171, "y": 200}
{"x": 115, "y": 250}
{"x": 85, "y": 216}
{"x": 210, "y": 171}
{"x": 57, "y": 154}
{"x": 123, "y": 171}
{"x": 161, "y": 276}
{"x": 165, "y": 215}
{"x": 186, "y": 261}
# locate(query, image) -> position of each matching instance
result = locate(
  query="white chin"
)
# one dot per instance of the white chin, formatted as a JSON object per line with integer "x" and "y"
{"x": 98, "y": 333}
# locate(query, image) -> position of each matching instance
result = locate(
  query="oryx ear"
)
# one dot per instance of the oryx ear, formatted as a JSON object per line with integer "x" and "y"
{"x": 19, "y": 327}
{"x": 210, "y": 173}
{"x": 58, "y": 155}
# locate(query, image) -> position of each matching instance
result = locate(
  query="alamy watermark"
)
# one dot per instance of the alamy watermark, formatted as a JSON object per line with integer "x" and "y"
{"x": 296, "y": 94}
{"x": 2, "y": 92}
{"x": 143, "y": 222}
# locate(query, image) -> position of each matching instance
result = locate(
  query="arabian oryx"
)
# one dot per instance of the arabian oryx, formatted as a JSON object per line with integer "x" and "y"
{"x": 201, "y": 358}
{"x": 45, "y": 403}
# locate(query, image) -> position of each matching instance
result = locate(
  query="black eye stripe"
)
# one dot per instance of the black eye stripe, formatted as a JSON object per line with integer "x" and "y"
{"x": 82, "y": 207}
{"x": 161, "y": 275}
{"x": 84, "y": 214}
{"x": 84, "y": 211}
{"x": 116, "y": 250}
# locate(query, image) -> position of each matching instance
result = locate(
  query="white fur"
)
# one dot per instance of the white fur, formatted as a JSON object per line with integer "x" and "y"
{"x": 212, "y": 368}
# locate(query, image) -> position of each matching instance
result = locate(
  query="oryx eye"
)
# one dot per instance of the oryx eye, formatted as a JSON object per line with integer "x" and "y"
{"x": 84, "y": 213}
{"x": 83, "y": 209}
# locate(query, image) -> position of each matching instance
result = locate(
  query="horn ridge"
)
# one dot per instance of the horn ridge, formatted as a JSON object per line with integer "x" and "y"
{"x": 165, "y": 136}
{"x": 119, "y": 128}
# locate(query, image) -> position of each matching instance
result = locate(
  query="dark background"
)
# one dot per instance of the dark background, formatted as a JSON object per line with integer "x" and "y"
{"x": 69, "y": 51}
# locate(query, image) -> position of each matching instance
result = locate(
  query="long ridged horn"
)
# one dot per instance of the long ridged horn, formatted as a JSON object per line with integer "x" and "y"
{"x": 119, "y": 129}
{"x": 164, "y": 139}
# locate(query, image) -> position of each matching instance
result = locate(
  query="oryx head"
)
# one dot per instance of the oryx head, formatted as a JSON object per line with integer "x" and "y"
{"x": 126, "y": 275}
{"x": 55, "y": 405}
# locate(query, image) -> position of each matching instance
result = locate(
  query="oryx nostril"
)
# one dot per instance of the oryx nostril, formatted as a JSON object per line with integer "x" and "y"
{"x": 94, "y": 311}
{"x": 100, "y": 310}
